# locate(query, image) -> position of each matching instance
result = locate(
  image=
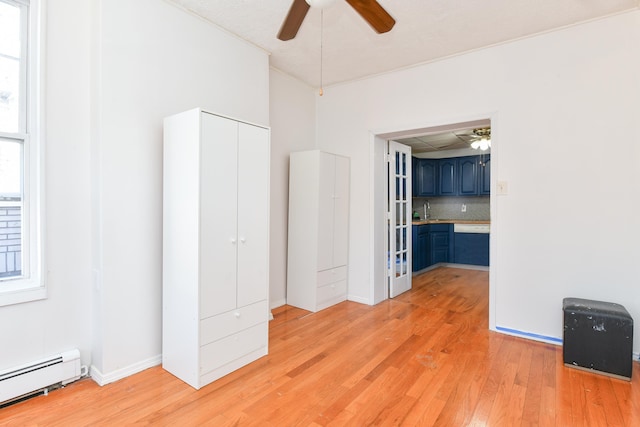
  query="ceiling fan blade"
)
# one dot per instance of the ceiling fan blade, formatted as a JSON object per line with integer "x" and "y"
{"x": 374, "y": 14}
{"x": 467, "y": 139}
{"x": 292, "y": 22}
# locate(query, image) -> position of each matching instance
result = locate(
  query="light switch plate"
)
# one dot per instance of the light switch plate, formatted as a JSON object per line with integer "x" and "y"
{"x": 502, "y": 188}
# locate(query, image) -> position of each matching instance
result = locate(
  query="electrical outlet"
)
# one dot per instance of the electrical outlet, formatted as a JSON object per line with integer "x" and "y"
{"x": 464, "y": 207}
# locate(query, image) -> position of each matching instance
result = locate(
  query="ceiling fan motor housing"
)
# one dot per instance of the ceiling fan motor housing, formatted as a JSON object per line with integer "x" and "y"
{"x": 320, "y": 4}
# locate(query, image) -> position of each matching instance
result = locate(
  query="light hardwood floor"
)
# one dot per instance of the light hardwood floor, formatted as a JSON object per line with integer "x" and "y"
{"x": 424, "y": 358}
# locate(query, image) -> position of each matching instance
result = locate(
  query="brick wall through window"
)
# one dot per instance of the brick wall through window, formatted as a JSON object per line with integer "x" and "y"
{"x": 10, "y": 241}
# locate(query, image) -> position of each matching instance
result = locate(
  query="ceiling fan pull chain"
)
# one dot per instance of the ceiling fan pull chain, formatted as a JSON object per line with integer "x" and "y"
{"x": 321, "y": 92}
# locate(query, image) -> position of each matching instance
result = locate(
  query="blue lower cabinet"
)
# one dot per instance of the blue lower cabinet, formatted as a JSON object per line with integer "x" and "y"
{"x": 431, "y": 245}
{"x": 471, "y": 248}
{"x": 420, "y": 247}
{"x": 439, "y": 243}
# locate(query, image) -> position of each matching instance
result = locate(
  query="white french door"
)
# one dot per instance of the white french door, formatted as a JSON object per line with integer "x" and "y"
{"x": 399, "y": 218}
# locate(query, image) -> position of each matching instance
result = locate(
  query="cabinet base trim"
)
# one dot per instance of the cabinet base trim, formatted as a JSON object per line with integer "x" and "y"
{"x": 332, "y": 301}
{"x": 448, "y": 264}
{"x": 220, "y": 372}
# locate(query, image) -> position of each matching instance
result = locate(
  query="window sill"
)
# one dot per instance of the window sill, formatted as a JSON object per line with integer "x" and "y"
{"x": 25, "y": 294}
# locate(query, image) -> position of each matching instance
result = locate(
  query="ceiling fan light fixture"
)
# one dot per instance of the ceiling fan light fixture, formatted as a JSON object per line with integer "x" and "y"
{"x": 320, "y": 4}
{"x": 481, "y": 139}
{"x": 483, "y": 144}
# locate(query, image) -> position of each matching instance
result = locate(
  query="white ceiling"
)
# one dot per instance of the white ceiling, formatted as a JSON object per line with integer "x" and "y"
{"x": 425, "y": 30}
{"x": 436, "y": 140}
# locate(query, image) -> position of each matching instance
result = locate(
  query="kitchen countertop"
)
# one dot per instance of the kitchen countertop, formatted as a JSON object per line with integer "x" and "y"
{"x": 450, "y": 221}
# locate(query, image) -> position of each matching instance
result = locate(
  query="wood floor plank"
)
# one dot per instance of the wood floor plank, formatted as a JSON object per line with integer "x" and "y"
{"x": 547, "y": 410}
{"x": 424, "y": 358}
{"x": 463, "y": 397}
{"x": 533, "y": 396}
{"x": 427, "y": 406}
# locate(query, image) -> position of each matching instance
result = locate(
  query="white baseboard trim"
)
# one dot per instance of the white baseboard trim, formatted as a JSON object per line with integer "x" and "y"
{"x": 358, "y": 299}
{"x": 277, "y": 303}
{"x": 104, "y": 379}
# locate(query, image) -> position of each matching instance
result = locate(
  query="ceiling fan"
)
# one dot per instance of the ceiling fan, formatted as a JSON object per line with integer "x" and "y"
{"x": 370, "y": 10}
{"x": 480, "y": 138}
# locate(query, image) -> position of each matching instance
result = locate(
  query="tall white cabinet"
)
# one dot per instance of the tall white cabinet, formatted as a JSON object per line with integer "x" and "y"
{"x": 318, "y": 229}
{"x": 215, "y": 245}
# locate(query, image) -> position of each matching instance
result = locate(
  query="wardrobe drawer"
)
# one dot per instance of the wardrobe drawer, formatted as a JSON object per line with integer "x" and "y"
{"x": 332, "y": 275}
{"x": 228, "y": 349}
{"x": 215, "y": 327}
{"x": 332, "y": 292}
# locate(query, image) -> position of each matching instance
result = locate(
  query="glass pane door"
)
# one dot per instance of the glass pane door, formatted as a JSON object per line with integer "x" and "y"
{"x": 399, "y": 218}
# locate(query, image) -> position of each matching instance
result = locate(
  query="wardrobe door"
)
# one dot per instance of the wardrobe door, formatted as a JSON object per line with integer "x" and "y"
{"x": 218, "y": 214}
{"x": 341, "y": 212}
{"x": 253, "y": 214}
{"x": 327, "y": 171}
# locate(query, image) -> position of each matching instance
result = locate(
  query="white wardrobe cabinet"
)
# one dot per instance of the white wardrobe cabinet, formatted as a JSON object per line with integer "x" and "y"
{"x": 318, "y": 229}
{"x": 215, "y": 245}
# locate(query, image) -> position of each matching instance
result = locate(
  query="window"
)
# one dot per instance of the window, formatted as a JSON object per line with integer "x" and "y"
{"x": 20, "y": 166}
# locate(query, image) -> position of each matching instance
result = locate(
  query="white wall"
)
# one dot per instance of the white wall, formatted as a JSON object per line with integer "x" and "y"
{"x": 153, "y": 60}
{"x": 114, "y": 69}
{"x": 37, "y": 329}
{"x": 564, "y": 109}
{"x": 292, "y": 117}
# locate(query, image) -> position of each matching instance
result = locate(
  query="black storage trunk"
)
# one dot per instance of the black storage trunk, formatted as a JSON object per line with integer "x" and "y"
{"x": 598, "y": 336}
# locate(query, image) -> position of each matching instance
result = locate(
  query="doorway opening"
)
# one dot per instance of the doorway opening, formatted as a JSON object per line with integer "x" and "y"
{"x": 384, "y": 233}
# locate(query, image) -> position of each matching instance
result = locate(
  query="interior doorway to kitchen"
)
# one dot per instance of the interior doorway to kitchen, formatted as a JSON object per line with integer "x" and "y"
{"x": 381, "y": 185}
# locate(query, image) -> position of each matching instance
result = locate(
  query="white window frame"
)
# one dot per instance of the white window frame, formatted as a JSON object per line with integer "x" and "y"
{"x": 31, "y": 285}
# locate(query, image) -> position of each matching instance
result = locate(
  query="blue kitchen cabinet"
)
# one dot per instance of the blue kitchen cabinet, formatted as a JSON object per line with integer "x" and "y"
{"x": 414, "y": 179}
{"x": 439, "y": 243}
{"x": 484, "y": 172}
{"x": 447, "y": 177}
{"x": 431, "y": 245}
{"x": 425, "y": 177}
{"x": 468, "y": 176}
{"x": 471, "y": 248}
{"x": 457, "y": 176}
{"x": 420, "y": 246}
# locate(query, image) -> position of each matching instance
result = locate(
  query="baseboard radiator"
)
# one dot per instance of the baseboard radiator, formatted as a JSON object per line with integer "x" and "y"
{"x": 37, "y": 376}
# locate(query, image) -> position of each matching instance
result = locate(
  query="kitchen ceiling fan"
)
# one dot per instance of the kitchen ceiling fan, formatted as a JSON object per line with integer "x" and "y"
{"x": 480, "y": 138}
{"x": 370, "y": 10}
